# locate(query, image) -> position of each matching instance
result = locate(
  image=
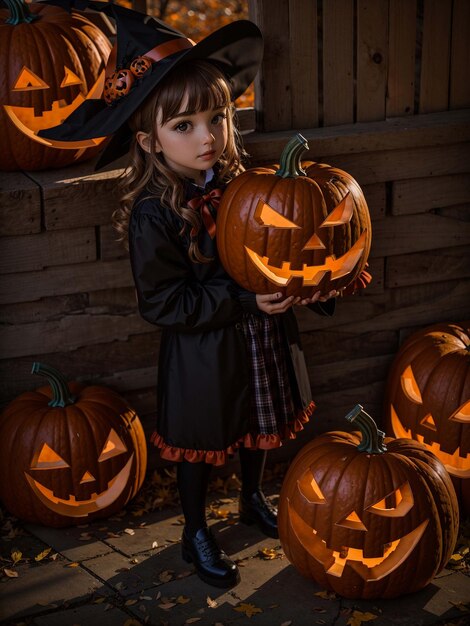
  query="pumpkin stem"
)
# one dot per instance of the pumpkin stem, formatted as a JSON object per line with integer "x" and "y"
{"x": 19, "y": 13}
{"x": 372, "y": 438}
{"x": 61, "y": 395}
{"x": 290, "y": 165}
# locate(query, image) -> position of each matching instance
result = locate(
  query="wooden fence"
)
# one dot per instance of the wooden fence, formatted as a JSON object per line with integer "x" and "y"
{"x": 66, "y": 288}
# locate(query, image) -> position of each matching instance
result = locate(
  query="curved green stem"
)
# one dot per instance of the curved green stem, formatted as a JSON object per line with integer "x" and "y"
{"x": 61, "y": 395}
{"x": 372, "y": 437}
{"x": 19, "y": 13}
{"x": 290, "y": 165}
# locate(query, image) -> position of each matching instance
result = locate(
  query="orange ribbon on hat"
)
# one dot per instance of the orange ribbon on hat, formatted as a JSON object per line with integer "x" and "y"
{"x": 202, "y": 204}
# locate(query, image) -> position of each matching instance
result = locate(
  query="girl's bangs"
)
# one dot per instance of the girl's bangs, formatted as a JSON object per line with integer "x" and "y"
{"x": 202, "y": 87}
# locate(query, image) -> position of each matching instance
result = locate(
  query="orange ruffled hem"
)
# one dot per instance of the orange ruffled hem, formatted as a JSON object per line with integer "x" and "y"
{"x": 219, "y": 457}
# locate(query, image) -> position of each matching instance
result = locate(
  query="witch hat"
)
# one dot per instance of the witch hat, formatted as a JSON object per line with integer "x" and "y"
{"x": 145, "y": 51}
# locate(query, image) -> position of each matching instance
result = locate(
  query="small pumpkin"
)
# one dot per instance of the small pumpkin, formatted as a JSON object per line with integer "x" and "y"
{"x": 69, "y": 453}
{"x": 51, "y": 61}
{"x": 367, "y": 518}
{"x": 428, "y": 398}
{"x": 298, "y": 227}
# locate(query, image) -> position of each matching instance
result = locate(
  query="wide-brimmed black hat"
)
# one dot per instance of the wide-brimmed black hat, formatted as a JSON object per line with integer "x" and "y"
{"x": 145, "y": 51}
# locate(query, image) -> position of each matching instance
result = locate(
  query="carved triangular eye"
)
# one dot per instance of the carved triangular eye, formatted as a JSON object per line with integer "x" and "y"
{"x": 70, "y": 79}
{"x": 48, "y": 459}
{"x": 352, "y": 521}
{"x": 410, "y": 386}
{"x": 341, "y": 214}
{"x": 403, "y": 499}
{"x": 462, "y": 414}
{"x": 28, "y": 80}
{"x": 112, "y": 447}
{"x": 267, "y": 216}
{"x": 87, "y": 478}
{"x": 310, "y": 489}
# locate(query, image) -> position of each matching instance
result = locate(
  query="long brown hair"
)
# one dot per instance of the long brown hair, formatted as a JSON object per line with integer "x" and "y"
{"x": 205, "y": 88}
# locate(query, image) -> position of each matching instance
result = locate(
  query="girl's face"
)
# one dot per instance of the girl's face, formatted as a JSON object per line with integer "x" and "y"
{"x": 192, "y": 142}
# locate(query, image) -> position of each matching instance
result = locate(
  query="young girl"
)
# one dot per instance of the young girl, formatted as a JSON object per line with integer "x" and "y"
{"x": 231, "y": 375}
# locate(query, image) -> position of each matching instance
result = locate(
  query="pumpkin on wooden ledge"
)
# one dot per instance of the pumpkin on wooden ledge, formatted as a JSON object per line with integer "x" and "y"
{"x": 298, "y": 228}
{"x": 51, "y": 61}
{"x": 428, "y": 398}
{"x": 367, "y": 518}
{"x": 69, "y": 453}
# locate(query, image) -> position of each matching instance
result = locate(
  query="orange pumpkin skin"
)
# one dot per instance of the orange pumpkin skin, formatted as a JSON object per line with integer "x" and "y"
{"x": 49, "y": 66}
{"x": 335, "y": 528}
{"x": 247, "y": 243}
{"x": 428, "y": 398}
{"x": 63, "y": 466}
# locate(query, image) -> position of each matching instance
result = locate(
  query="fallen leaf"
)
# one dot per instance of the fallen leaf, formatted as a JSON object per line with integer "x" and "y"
{"x": 99, "y": 600}
{"x": 129, "y": 531}
{"x": 42, "y": 555}
{"x": 182, "y": 599}
{"x": 145, "y": 597}
{"x": 166, "y": 576}
{"x": 212, "y": 603}
{"x": 74, "y": 564}
{"x": 268, "y": 553}
{"x": 326, "y": 595}
{"x": 113, "y": 535}
{"x": 358, "y": 618}
{"x": 191, "y": 620}
{"x": 132, "y": 622}
{"x": 85, "y": 537}
{"x": 10, "y": 573}
{"x": 287, "y": 623}
{"x": 166, "y": 605}
{"x": 273, "y": 606}
{"x": 130, "y": 602}
{"x": 220, "y": 513}
{"x": 16, "y": 556}
{"x": 155, "y": 544}
{"x": 54, "y": 556}
{"x": 134, "y": 561}
{"x": 248, "y": 609}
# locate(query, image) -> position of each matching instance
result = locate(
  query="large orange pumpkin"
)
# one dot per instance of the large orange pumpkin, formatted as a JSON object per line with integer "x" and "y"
{"x": 298, "y": 227}
{"x": 51, "y": 61}
{"x": 364, "y": 518}
{"x": 69, "y": 453}
{"x": 428, "y": 398}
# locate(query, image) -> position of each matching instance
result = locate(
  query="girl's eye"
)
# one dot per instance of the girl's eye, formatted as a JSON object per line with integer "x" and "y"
{"x": 219, "y": 118}
{"x": 182, "y": 127}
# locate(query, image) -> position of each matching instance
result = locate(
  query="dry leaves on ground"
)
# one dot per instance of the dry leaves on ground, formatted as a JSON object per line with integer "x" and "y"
{"x": 358, "y": 618}
{"x": 248, "y": 609}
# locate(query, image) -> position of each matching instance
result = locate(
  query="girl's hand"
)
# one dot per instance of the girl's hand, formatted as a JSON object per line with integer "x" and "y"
{"x": 318, "y": 297}
{"x": 271, "y": 304}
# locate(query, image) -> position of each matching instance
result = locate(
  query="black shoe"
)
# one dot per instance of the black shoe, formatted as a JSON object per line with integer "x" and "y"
{"x": 255, "y": 509}
{"x": 212, "y": 564}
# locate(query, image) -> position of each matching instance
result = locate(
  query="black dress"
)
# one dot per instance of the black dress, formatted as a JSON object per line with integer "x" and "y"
{"x": 207, "y": 395}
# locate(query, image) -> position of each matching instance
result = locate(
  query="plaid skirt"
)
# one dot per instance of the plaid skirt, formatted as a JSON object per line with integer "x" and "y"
{"x": 272, "y": 409}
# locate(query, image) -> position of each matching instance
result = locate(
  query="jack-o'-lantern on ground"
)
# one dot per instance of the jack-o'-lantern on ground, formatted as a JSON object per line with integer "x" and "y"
{"x": 69, "y": 453}
{"x": 297, "y": 228}
{"x": 51, "y": 61}
{"x": 428, "y": 398}
{"x": 367, "y": 518}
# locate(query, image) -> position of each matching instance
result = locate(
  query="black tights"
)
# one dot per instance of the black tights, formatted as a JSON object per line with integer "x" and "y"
{"x": 193, "y": 480}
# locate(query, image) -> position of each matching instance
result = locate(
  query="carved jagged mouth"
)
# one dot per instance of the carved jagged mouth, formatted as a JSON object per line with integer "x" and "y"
{"x": 311, "y": 274}
{"x": 455, "y": 464}
{"x": 72, "y": 507}
{"x": 334, "y": 562}
{"x": 30, "y": 124}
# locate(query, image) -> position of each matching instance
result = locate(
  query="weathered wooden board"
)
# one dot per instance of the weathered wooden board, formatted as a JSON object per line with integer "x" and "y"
{"x": 65, "y": 279}
{"x": 34, "y": 252}
{"x": 338, "y": 54}
{"x": 303, "y": 59}
{"x": 110, "y": 248}
{"x": 376, "y": 197}
{"x": 457, "y": 212}
{"x": 77, "y": 197}
{"x": 351, "y": 372}
{"x": 401, "y": 65}
{"x": 414, "y": 233}
{"x": 130, "y": 380}
{"x": 434, "y": 83}
{"x": 118, "y": 300}
{"x": 435, "y": 129}
{"x": 418, "y": 195}
{"x": 371, "y": 59}
{"x": 246, "y": 119}
{"x": 68, "y": 333}
{"x": 426, "y": 267}
{"x": 377, "y": 269}
{"x": 460, "y": 56}
{"x": 20, "y": 204}
{"x": 43, "y": 310}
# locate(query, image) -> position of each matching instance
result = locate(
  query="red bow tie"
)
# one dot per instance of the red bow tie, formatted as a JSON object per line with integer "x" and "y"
{"x": 202, "y": 204}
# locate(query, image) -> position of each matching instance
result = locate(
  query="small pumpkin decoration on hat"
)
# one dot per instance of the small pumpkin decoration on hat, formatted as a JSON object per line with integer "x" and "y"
{"x": 69, "y": 453}
{"x": 367, "y": 518}
{"x": 51, "y": 62}
{"x": 428, "y": 398}
{"x": 298, "y": 227}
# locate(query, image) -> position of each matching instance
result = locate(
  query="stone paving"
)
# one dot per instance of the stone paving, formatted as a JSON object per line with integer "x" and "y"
{"x": 128, "y": 571}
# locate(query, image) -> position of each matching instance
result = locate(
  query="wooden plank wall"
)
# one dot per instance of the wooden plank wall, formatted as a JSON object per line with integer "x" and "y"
{"x": 66, "y": 288}
{"x": 330, "y": 62}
